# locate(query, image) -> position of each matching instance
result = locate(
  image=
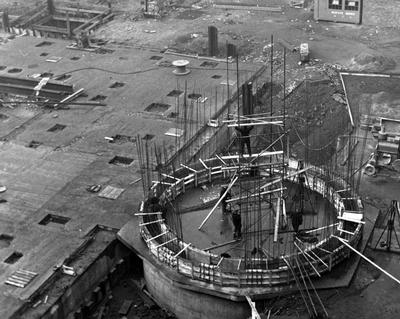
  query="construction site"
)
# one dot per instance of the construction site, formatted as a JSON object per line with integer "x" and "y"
{"x": 199, "y": 159}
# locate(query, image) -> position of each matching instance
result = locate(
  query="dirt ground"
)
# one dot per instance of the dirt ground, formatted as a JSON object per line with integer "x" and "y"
{"x": 372, "y": 46}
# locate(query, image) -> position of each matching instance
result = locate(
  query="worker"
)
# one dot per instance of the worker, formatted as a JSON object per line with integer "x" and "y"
{"x": 156, "y": 207}
{"x": 237, "y": 222}
{"x": 244, "y": 138}
{"x": 297, "y": 220}
{"x": 228, "y": 196}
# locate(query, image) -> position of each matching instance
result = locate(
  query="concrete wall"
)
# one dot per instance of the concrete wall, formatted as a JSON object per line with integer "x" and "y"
{"x": 187, "y": 304}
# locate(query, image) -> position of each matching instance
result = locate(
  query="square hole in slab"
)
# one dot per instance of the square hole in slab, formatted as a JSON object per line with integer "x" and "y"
{"x": 34, "y": 144}
{"x": 121, "y": 161}
{"x": 148, "y": 137}
{"x": 5, "y": 240}
{"x": 13, "y": 258}
{"x": 194, "y": 96}
{"x": 98, "y": 97}
{"x": 156, "y": 57}
{"x": 56, "y": 219}
{"x": 157, "y": 107}
{"x": 75, "y": 58}
{"x": 117, "y": 85}
{"x": 210, "y": 64}
{"x": 217, "y": 76}
{"x": 175, "y": 93}
{"x": 44, "y": 54}
{"x": 57, "y": 128}
{"x": 44, "y": 44}
{"x": 3, "y": 117}
{"x": 2, "y": 67}
{"x": 14, "y": 70}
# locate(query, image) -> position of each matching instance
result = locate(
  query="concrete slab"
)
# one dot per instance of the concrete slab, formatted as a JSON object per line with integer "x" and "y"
{"x": 48, "y": 210}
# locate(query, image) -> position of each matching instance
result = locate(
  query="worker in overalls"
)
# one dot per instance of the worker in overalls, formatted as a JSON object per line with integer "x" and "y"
{"x": 244, "y": 138}
{"x": 237, "y": 222}
{"x": 228, "y": 196}
{"x": 297, "y": 220}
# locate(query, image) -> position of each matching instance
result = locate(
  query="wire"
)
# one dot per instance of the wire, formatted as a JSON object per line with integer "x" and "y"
{"x": 140, "y": 71}
{"x": 107, "y": 71}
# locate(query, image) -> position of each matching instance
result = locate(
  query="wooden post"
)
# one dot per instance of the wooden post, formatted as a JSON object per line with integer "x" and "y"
{"x": 69, "y": 31}
{"x": 50, "y": 7}
{"x": 6, "y": 21}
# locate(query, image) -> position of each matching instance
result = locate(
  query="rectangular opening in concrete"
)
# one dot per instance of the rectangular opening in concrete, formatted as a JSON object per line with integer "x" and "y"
{"x": 148, "y": 137}
{"x": 156, "y": 57}
{"x": 56, "y": 219}
{"x": 34, "y": 144}
{"x": 98, "y": 97}
{"x": 15, "y": 70}
{"x": 217, "y": 76}
{"x": 157, "y": 107}
{"x": 117, "y": 85}
{"x": 5, "y": 240}
{"x": 210, "y": 64}
{"x": 44, "y": 44}
{"x": 175, "y": 93}
{"x": 57, "y": 128}
{"x": 13, "y": 258}
{"x": 194, "y": 96}
{"x": 75, "y": 58}
{"x": 3, "y": 67}
{"x": 121, "y": 161}
{"x": 44, "y": 54}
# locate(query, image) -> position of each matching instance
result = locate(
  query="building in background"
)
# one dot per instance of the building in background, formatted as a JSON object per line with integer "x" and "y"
{"x": 348, "y": 11}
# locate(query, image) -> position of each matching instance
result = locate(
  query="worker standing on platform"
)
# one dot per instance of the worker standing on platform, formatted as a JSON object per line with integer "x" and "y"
{"x": 228, "y": 196}
{"x": 237, "y": 222}
{"x": 244, "y": 138}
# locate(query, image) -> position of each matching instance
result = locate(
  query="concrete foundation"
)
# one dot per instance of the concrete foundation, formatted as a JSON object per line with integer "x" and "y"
{"x": 189, "y": 304}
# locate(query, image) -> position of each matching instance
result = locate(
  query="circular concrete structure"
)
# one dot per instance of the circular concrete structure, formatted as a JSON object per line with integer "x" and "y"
{"x": 194, "y": 281}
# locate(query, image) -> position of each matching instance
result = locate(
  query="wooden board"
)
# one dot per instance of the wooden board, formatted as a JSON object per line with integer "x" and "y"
{"x": 111, "y": 192}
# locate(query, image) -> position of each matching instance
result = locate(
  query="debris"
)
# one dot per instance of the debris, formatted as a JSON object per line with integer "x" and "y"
{"x": 54, "y": 59}
{"x": 68, "y": 270}
{"x": 339, "y": 98}
{"x": 21, "y": 278}
{"x": 94, "y": 188}
{"x": 126, "y": 305}
{"x": 176, "y": 132}
{"x": 111, "y": 192}
{"x": 3, "y": 189}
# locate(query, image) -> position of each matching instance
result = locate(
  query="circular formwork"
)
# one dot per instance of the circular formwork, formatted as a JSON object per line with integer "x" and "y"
{"x": 210, "y": 270}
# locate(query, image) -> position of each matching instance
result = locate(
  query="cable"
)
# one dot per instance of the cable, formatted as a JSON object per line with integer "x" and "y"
{"x": 107, "y": 71}
{"x": 140, "y": 71}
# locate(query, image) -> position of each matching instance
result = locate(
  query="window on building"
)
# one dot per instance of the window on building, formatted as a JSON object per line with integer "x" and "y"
{"x": 351, "y": 5}
{"x": 336, "y": 4}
